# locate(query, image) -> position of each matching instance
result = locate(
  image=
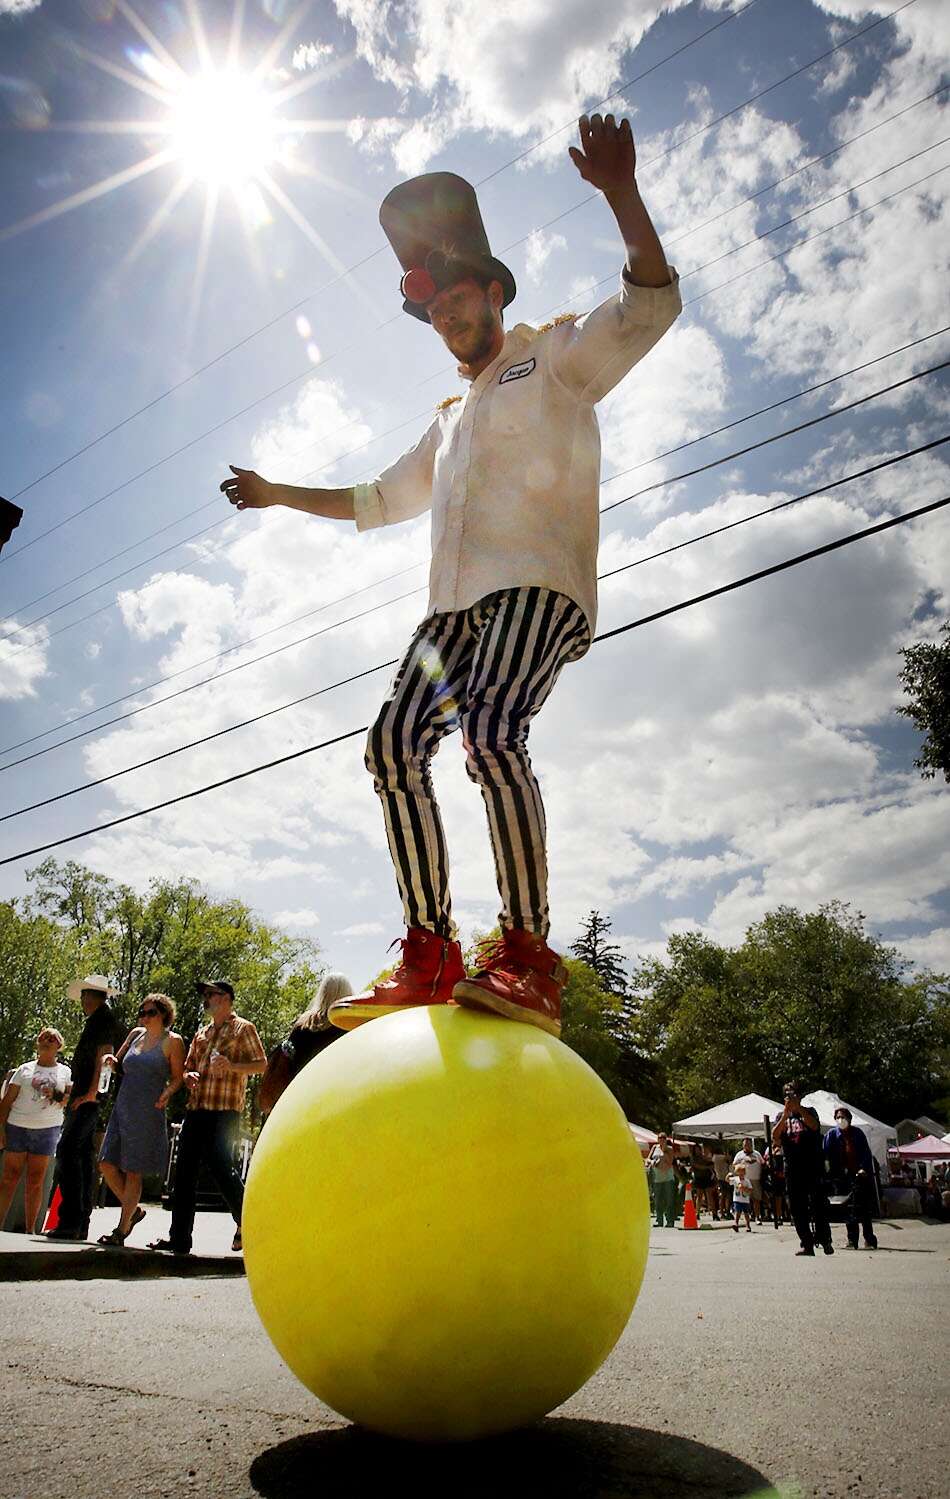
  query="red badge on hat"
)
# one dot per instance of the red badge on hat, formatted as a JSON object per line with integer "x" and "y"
{"x": 417, "y": 285}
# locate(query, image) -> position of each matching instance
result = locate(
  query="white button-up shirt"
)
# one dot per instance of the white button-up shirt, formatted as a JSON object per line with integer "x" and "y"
{"x": 511, "y": 472}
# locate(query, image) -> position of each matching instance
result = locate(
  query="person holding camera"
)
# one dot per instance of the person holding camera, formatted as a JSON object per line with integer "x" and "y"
{"x": 797, "y": 1133}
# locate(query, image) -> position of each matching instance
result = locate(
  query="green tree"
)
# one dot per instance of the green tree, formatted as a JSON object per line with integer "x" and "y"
{"x": 807, "y": 995}
{"x": 587, "y": 1009}
{"x": 166, "y": 938}
{"x": 595, "y": 949}
{"x": 636, "y": 1078}
{"x": 37, "y": 961}
{"x": 925, "y": 677}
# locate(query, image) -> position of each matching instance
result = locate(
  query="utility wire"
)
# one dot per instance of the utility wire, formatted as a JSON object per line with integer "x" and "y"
{"x": 635, "y": 624}
{"x": 381, "y": 666}
{"x": 807, "y": 238}
{"x": 357, "y": 265}
{"x": 669, "y": 242}
{"x": 251, "y": 640}
{"x": 778, "y": 567}
{"x": 214, "y": 677}
{"x": 818, "y": 234}
{"x": 144, "y": 562}
{"x": 764, "y": 442}
{"x": 669, "y": 150}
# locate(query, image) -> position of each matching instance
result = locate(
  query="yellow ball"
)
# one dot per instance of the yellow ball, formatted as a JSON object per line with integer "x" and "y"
{"x": 446, "y": 1224}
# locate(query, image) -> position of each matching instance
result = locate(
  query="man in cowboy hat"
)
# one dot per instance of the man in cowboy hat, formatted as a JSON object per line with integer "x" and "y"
{"x": 511, "y": 475}
{"x": 101, "y": 1034}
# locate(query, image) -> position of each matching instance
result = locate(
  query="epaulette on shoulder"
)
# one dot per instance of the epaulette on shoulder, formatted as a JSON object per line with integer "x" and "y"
{"x": 562, "y": 317}
{"x": 449, "y": 401}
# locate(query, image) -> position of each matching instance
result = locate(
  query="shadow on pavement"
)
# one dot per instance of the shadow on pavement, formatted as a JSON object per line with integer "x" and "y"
{"x": 93, "y": 1263}
{"x": 559, "y": 1458}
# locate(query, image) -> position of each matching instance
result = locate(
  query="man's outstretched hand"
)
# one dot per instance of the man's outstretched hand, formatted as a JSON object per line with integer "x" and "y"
{"x": 247, "y": 490}
{"x": 608, "y": 158}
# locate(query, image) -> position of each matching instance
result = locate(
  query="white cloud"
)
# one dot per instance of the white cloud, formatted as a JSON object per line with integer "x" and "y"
{"x": 928, "y": 950}
{"x": 363, "y": 929}
{"x": 309, "y": 55}
{"x": 298, "y": 920}
{"x": 23, "y": 660}
{"x": 506, "y": 68}
{"x": 309, "y": 436}
{"x": 18, "y": 7}
{"x": 538, "y": 250}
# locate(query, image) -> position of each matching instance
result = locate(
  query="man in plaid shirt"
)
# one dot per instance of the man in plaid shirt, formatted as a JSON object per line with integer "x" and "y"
{"x": 222, "y": 1056}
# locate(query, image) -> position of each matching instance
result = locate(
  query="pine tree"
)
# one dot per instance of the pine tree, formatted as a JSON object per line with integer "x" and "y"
{"x": 605, "y": 957}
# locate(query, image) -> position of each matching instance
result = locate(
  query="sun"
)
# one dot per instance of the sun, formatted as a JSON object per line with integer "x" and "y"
{"x": 222, "y": 124}
{"x": 223, "y": 129}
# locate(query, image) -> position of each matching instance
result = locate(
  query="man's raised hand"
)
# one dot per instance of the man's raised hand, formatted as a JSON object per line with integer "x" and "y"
{"x": 247, "y": 490}
{"x": 608, "y": 158}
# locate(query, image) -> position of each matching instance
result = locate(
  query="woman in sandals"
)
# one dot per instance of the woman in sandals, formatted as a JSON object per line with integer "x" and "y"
{"x": 152, "y": 1060}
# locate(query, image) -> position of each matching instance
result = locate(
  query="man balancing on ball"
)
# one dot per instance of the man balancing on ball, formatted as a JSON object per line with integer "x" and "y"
{"x": 511, "y": 474}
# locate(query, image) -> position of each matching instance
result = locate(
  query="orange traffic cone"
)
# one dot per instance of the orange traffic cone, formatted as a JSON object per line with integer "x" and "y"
{"x": 52, "y": 1212}
{"x": 689, "y": 1210}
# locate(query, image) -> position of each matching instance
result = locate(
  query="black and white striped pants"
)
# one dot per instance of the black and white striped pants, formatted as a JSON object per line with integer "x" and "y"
{"x": 486, "y": 670}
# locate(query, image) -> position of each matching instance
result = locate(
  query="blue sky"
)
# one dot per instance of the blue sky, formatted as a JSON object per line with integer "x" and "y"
{"x": 697, "y": 772}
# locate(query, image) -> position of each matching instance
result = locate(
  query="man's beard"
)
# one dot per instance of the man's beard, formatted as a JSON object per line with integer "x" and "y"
{"x": 482, "y": 332}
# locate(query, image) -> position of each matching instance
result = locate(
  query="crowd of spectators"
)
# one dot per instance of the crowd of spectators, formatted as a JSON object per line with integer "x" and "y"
{"x": 49, "y": 1110}
{"x": 794, "y": 1179}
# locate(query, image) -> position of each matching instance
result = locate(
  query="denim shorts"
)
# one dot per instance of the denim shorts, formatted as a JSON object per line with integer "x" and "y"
{"x": 32, "y": 1141}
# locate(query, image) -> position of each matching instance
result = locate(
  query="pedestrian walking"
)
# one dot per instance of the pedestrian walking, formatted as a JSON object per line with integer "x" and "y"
{"x": 741, "y": 1197}
{"x": 749, "y": 1157}
{"x": 851, "y": 1169}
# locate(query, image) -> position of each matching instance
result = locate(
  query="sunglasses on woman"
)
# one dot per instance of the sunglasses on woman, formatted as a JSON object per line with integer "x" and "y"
{"x": 146, "y": 1013}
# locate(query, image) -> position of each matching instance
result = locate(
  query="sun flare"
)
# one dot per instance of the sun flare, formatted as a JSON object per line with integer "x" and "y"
{"x": 223, "y": 129}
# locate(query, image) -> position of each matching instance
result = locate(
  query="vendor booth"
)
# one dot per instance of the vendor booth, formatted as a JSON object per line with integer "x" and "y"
{"x": 739, "y": 1117}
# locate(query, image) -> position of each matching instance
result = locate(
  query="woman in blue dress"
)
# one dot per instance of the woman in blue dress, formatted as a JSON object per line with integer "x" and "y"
{"x": 152, "y": 1060}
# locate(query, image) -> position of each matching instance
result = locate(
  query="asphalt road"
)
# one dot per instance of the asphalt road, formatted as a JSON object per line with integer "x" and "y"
{"x": 743, "y": 1371}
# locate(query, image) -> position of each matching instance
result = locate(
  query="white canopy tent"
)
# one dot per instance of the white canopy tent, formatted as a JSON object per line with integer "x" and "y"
{"x": 880, "y": 1136}
{"x": 738, "y": 1117}
{"x": 642, "y": 1135}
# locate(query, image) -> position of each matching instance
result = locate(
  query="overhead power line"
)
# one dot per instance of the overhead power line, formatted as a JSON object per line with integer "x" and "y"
{"x": 382, "y": 665}
{"x": 670, "y": 609}
{"x": 667, "y": 151}
{"x": 748, "y": 270}
{"x": 357, "y": 265}
{"x": 669, "y": 242}
{"x": 681, "y": 447}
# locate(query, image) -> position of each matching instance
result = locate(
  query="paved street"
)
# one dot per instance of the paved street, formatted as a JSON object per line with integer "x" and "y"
{"x": 743, "y": 1371}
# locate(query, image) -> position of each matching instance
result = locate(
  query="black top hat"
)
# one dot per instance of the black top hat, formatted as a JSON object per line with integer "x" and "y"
{"x": 434, "y": 226}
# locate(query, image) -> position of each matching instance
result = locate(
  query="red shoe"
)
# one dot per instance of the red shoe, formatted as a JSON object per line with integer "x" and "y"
{"x": 519, "y": 977}
{"x": 430, "y": 968}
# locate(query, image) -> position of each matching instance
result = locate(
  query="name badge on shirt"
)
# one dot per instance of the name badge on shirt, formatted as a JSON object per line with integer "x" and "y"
{"x": 517, "y": 371}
